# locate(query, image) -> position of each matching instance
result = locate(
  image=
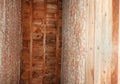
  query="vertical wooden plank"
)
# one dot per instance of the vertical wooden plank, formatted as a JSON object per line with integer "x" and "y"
{"x": 31, "y": 40}
{"x": 98, "y": 42}
{"x": 44, "y": 40}
{"x": 57, "y": 43}
{"x": 106, "y": 52}
{"x": 91, "y": 40}
{"x": 115, "y": 31}
{"x": 46, "y": 13}
{"x": 119, "y": 48}
{"x": 26, "y": 26}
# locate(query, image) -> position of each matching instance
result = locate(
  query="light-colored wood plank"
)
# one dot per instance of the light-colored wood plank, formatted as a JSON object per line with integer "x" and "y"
{"x": 106, "y": 36}
{"x": 90, "y": 42}
{"x": 98, "y": 42}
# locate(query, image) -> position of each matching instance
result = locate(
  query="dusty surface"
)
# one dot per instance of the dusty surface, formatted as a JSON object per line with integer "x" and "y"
{"x": 74, "y": 42}
{"x": 10, "y": 41}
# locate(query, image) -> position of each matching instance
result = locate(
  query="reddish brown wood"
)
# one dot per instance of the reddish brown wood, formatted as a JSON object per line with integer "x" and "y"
{"x": 44, "y": 40}
{"x": 31, "y": 39}
{"x": 41, "y": 38}
{"x": 115, "y": 39}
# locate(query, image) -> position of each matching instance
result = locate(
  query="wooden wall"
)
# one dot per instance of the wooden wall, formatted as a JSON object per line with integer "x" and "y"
{"x": 103, "y": 50}
{"x": 90, "y": 42}
{"x": 41, "y": 53}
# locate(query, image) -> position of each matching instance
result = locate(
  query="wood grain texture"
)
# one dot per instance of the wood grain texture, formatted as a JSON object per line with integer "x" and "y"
{"x": 106, "y": 38}
{"x": 90, "y": 42}
{"x": 101, "y": 26}
{"x": 41, "y": 34}
{"x": 98, "y": 42}
{"x": 119, "y": 46}
{"x": 115, "y": 41}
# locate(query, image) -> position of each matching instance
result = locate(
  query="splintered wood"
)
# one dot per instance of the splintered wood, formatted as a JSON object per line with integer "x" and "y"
{"x": 41, "y": 53}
